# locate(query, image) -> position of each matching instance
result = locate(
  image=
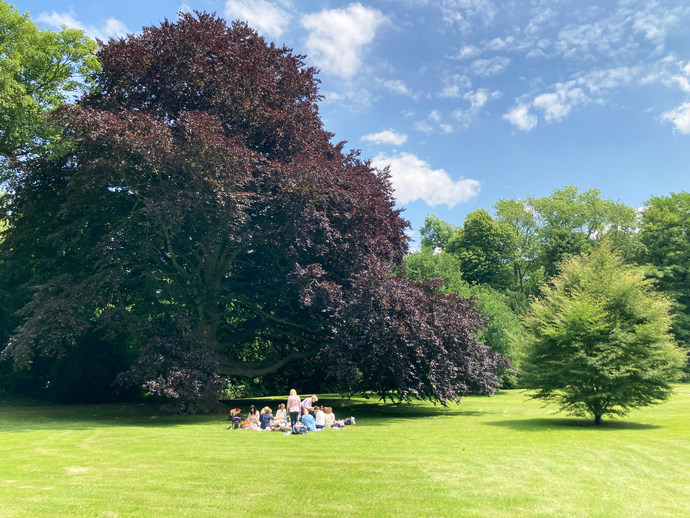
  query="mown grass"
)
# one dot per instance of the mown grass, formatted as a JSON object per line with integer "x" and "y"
{"x": 502, "y": 456}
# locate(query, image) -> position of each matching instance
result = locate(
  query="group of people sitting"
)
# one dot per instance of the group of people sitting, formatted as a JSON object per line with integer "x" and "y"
{"x": 304, "y": 416}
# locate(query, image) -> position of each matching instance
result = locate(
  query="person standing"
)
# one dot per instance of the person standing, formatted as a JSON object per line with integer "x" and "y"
{"x": 293, "y": 405}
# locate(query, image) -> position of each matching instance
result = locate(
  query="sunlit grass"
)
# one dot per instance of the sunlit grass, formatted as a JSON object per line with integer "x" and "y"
{"x": 502, "y": 456}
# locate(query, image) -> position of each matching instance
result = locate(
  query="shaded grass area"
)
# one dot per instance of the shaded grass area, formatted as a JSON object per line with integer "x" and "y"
{"x": 502, "y": 456}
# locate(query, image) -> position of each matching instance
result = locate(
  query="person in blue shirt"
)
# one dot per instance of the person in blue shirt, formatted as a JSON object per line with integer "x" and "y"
{"x": 308, "y": 420}
{"x": 266, "y": 418}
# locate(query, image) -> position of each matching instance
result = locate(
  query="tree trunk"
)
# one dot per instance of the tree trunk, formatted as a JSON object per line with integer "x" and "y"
{"x": 209, "y": 403}
{"x": 597, "y": 418}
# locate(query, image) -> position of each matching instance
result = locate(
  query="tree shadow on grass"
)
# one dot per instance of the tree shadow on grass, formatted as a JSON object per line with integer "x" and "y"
{"x": 546, "y": 424}
{"x": 366, "y": 409}
{"x": 87, "y": 417}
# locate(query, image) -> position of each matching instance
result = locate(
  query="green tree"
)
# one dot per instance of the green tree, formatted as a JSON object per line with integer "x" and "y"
{"x": 39, "y": 70}
{"x": 436, "y": 233}
{"x": 484, "y": 248}
{"x": 598, "y": 342}
{"x": 571, "y": 222}
{"x": 665, "y": 238}
{"x": 502, "y": 330}
{"x": 517, "y": 216}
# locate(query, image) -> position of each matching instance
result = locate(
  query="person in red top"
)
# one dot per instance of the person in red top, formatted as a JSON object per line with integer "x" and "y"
{"x": 293, "y": 405}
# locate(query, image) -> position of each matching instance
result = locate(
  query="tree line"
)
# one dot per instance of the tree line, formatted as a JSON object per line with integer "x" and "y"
{"x": 515, "y": 252}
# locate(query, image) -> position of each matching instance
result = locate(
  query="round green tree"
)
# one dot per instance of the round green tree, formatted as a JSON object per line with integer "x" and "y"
{"x": 598, "y": 342}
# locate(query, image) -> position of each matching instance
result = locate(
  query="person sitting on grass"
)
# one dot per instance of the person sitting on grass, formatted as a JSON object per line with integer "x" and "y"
{"x": 329, "y": 416}
{"x": 308, "y": 420}
{"x": 266, "y": 418}
{"x": 281, "y": 414}
{"x": 307, "y": 404}
{"x": 320, "y": 418}
{"x": 253, "y": 417}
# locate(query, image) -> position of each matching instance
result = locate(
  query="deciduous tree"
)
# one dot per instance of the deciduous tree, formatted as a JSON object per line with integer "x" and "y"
{"x": 39, "y": 70}
{"x": 200, "y": 201}
{"x": 598, "y": 342}
{"x": 665, "y": 238}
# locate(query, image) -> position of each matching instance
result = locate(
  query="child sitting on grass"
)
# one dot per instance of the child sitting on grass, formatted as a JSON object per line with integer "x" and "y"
{"x": 319, "y": 418}
{"x": 308, "y": 420}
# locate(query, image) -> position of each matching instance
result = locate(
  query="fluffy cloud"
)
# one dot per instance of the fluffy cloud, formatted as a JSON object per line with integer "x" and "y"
{"x": 489, "y": 67}
{"x": 386, "y": 137}
{"x": 479, "y": 98}
{"x": 461, "y": 12}
{"x": 423, "y": 126}
{"x": 112, "y": 28}
{"x": 655, "y": 22}
{"x": 558, "y": 104}
{"x": 477, "y": 101}
{"x": 455, "y": 85}
{"x": 397, "y": 86}
{"x": 264, "y": 16}
{"x": 337, "y": 37}
{"x": 521, "y": 117}
{"x": 680, "y": 117}
{"x": 466, "y": 52}
{"x": 414, "y": 179}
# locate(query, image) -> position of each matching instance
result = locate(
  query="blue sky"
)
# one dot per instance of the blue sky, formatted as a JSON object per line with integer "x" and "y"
{"x": 470, "y": 101}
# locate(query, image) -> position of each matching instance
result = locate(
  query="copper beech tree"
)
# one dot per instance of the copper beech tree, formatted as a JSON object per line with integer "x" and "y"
{"x": 199, "y": 203}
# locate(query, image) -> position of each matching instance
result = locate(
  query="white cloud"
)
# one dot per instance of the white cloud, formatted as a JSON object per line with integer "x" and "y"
{"x": 466, "y": 52}
{"x": 455, "y": 85}
{"x": 435, "y": 116}
{"x": 655, "y": 25}
{"x": 447, "y": 128}
{"x": 489, "y": 67}
{"x": 423, "y": 126}
{"x": 112, "y": 28}
{"x": 386, "y": 137}
{"x": 597, "y": 80}
{"x": 541, "y": 18}
{"x": 680, "y": 117}
{"x": 477, "y": 101}
{"x": 262, "y": 15}
{"x": 397, "y": 86}
{"x": 414, "y": 179}
{"x": 337, "y": 37}
{"x": 461, "y": 12}
{"x": 479, "y": 98}
{"x": 558, "y": 104}
{"x": 521, "y": 117}
{"x": 501, "y": 44}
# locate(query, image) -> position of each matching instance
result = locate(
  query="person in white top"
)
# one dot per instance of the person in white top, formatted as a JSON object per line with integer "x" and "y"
{"x": 320, "y": 418}
{"x": 281, "y": 414}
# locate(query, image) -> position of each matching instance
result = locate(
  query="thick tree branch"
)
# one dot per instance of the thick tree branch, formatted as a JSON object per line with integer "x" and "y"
{"x": 255, "y": 369}
{"x": 265, "y": 314}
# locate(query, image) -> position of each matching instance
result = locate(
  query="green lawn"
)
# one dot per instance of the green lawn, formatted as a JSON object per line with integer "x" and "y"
{"x": 489, "y": 457}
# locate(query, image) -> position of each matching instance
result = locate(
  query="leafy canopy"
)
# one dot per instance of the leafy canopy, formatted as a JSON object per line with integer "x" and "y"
{"x": 665, "y": 239}
{"x": 598, "y": 342}
{"x": 501, "y": 329}
{"x": 39, "y": 70}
